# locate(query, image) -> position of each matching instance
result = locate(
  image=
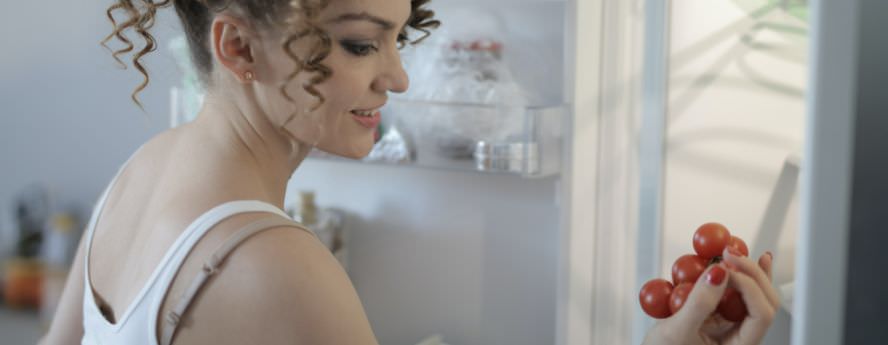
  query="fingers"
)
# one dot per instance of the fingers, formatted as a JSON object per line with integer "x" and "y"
{"x": 761, "y": 311}
{"x": 766, "y": 262}
{"x": 703, "y": 299}
{"x": 760, "y": 274}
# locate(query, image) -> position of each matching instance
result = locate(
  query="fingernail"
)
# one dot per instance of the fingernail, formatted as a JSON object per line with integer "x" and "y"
{"x": 770, "y": 255}
{"x": 715, "y": 276}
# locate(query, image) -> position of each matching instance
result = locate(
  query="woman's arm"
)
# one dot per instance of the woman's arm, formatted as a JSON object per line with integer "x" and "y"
{"x": 282, "y": 286}
{"x": 67, "y": 323}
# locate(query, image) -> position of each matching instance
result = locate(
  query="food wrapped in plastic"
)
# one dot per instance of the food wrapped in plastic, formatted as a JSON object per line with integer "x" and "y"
{"x": 465, "y": 70}
{"x": 391, "y": 148}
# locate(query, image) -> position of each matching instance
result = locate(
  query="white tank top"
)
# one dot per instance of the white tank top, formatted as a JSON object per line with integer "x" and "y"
{"x": 138, "y": 324}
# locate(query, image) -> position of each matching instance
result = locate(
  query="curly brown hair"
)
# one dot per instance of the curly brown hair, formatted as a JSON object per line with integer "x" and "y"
{"x": 197, "y": 15}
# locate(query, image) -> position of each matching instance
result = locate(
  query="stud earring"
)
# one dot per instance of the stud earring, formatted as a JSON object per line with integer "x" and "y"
{"x": 248, "y": 75}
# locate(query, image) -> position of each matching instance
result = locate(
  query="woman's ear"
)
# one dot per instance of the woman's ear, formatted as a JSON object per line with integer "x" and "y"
{"x": 233, "y": 46}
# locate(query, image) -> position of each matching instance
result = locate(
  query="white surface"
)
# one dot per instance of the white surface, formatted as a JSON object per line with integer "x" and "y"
{"x": 577, "y": 241}
{"x": 736, "y": 112}
{"x": 737, "y": 81}
{"x": 704, "y": 95}
{"x": 468, "y": 256}
{"x": 819, "y": 303}
{"x": 730, "y": 135}
{"x": 651, "y": 153}
{"x": 786, "y": 296}
{"x": 617, "y": 193}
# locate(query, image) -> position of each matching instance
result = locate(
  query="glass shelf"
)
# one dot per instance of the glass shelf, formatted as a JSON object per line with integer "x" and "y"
{"x": 522, "y": 141}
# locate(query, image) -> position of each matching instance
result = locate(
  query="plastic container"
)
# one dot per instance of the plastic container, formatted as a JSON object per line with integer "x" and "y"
{"x": 522, "y": 141}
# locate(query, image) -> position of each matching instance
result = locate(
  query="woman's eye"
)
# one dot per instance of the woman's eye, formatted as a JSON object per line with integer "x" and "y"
{"x": 358, "y": 48}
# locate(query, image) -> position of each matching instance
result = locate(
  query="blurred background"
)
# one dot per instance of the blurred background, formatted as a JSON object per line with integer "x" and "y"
{"x": 66, "y": 127}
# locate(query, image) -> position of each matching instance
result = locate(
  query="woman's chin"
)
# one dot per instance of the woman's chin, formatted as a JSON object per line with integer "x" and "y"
{"x": 357, "y": 152}
{"x": 357, "y": 156}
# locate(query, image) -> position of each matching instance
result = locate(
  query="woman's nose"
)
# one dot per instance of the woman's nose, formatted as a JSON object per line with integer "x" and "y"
{"x": 393, "y": 77}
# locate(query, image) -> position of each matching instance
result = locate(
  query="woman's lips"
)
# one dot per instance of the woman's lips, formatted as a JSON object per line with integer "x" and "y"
{"x": 370, "y": 122}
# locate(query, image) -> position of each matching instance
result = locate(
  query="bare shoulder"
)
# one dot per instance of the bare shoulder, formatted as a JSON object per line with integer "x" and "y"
{"x": 281, "y": 286}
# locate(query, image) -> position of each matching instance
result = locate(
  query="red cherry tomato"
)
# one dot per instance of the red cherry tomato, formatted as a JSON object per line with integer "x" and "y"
{"x": 731, "y": 306}
{"x": 679, "y": 296}
{"x": 659, "y": 298}
{"x": 739, "y": 245}
{"x": 710, "y": 240}
{"x": 688, "y": 268}
{"x": 654, "y": 298}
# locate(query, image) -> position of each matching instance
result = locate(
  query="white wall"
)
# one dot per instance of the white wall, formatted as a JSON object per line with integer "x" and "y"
{"x": 469, "y": 256}
{"x": 67, "y": 120}
{"x": 736, "y": 109}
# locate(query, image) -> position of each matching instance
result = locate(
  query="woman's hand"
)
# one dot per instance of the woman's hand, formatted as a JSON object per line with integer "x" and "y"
{"x": 698, "y": 324}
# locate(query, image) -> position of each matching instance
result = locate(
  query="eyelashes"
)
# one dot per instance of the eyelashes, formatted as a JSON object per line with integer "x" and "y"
{"x": 358, "y": 48}
{"x": 361, "y": 48}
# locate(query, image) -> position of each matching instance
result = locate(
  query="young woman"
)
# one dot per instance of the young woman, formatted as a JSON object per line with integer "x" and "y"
{"x": 282, "y": 77}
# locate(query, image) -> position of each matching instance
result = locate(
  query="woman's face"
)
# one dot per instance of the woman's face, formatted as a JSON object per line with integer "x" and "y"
{"x": 366, "y": 65}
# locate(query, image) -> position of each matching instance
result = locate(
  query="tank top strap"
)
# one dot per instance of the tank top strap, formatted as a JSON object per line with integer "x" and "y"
{"x": 211, "y": 266}
{"x": 179, "y": 251}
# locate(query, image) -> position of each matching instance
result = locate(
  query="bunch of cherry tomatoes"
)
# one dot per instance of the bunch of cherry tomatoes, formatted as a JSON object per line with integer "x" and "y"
{"x": 661, "y": 298}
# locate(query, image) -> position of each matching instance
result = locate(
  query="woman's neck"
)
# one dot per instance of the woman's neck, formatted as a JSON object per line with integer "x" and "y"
{"x": 245, "y": 144}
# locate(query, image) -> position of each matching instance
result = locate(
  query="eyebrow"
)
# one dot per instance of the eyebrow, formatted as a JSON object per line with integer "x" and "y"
{"x": 385, "y": 24}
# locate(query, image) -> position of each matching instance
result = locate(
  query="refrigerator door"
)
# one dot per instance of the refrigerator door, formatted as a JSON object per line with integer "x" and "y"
{"x": 838, "y": 298}
{"x": 700, "y": 115}
{"x": 737, "y": 124}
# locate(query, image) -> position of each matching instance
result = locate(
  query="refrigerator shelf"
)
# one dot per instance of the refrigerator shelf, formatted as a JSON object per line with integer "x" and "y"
{"x": 520, "y": 141}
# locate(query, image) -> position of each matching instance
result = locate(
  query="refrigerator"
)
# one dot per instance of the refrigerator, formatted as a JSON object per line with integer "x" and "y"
{"x": 651, "y": 118}
{"x": 658, "y": 116}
